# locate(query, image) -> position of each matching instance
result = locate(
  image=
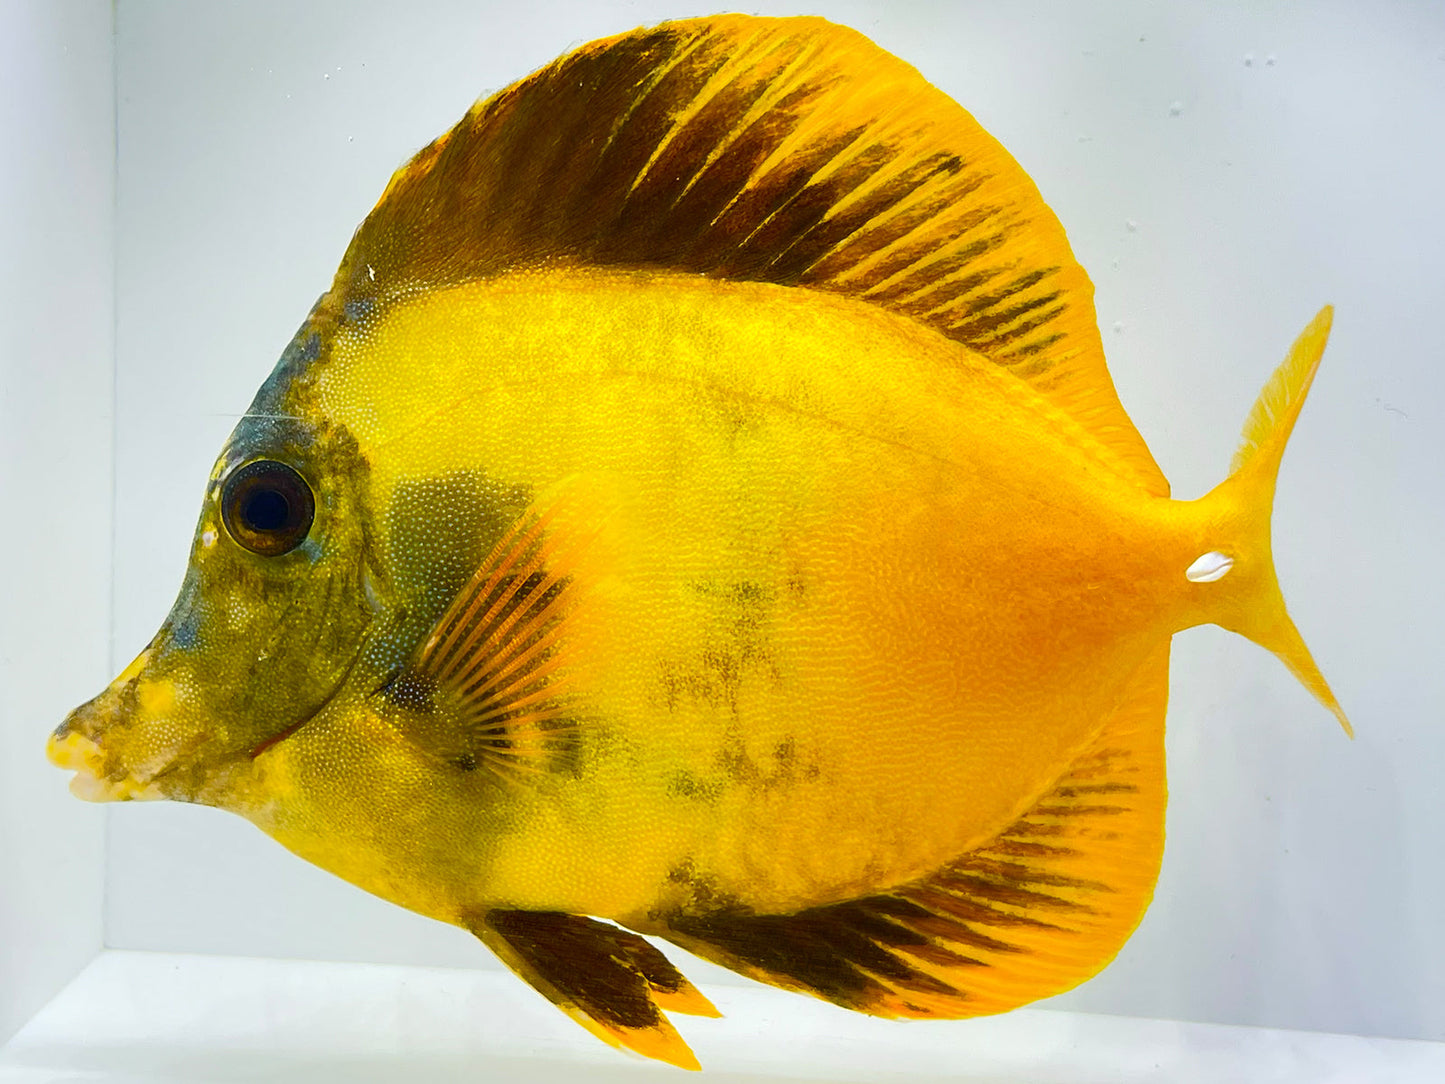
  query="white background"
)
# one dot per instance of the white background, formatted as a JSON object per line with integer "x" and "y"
{"x": 1217, "y": 203}
{"x": 57, "y": 155}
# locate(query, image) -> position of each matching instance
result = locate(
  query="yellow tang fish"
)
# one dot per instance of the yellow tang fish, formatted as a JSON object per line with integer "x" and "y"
{"x": 700, "y": 508}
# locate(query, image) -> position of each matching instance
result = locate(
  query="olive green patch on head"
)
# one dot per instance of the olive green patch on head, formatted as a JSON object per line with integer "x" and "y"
{"x": 281, "y": 627}
{"x": 281, "y": 589}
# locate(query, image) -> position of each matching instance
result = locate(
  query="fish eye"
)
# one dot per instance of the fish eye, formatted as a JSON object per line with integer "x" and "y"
{"x": 267, "y": 507}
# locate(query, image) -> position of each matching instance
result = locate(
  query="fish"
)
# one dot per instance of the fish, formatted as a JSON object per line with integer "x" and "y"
{"x": 700, "y": 510}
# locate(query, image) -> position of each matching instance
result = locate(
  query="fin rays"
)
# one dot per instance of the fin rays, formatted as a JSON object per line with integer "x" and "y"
{"x": 1033, "y": 912}
{"x": 610, "y": 981}
{"x": 789, "y": 151}
{"x": 493, "y": 674}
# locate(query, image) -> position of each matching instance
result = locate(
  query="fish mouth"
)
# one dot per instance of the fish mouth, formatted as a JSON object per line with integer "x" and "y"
{"x": 70, "y": 748}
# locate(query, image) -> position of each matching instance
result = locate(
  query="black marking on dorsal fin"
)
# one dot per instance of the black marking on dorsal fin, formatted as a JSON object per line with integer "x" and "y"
{"x": 1038, "y": 909}
{"x": 609, "y": 980}
{"x": 790, "y": 151}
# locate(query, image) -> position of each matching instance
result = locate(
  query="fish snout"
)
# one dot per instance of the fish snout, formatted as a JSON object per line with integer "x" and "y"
{"x": 82, "y": 744}
{"x": 74, "y": 750}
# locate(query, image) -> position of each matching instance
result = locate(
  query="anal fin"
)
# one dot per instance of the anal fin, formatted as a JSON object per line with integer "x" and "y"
{"x": 1041, "y": 907}
{"x": 611, "y": 981}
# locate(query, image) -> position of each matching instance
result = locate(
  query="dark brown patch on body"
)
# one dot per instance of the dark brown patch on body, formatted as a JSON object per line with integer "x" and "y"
{"x": 684, "y": 784}
{"x": 785, "y": 753}
{"x": 702, "y": 894}
{"x": 781, "y": 766}
{"x": 736, "y": 648}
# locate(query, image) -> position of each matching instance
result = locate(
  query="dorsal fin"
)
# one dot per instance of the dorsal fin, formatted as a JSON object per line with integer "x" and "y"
{"x": 790, "y": 151}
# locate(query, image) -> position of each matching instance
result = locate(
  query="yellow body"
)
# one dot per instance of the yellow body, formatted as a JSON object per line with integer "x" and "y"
{"x": 859, "y": 593}
{"x": 701, "y": 503}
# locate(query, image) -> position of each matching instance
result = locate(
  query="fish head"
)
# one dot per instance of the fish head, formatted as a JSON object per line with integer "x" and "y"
{"x": 271, "y": 617}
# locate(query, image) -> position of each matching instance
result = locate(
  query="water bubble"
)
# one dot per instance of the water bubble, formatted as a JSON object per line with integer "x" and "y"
{"x": 1269, "y": 61}
{"x": 1175, "y": 108}
{"x": 1249, "y": 60}
{"x": 1131, "y": 225}
{"x": 1118, "y": 327}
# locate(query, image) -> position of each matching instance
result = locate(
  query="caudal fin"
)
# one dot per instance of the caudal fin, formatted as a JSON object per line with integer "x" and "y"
{"x": 1242, "y": 504}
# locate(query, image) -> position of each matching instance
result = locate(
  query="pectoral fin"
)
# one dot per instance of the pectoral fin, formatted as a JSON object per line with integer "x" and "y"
{"x": 610, "y": 981}
{"x": 491, "y": 688}
{"x": 1035, "y": 911}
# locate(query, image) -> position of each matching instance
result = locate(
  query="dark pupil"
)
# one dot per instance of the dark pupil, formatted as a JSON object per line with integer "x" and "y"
{"x": 266, "y": 510}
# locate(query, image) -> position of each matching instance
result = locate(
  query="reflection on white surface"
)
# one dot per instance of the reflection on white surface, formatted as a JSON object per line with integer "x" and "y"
{"x": 160, "y": 1017}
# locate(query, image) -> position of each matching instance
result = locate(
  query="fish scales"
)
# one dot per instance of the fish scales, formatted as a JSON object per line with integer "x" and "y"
{"x": 812, "y": 478}
{"x": 700, "y": 507}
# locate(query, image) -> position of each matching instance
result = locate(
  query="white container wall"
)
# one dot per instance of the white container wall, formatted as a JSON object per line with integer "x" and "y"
{"x": 57, "y": 288}
{"x": 1222, "y": 172}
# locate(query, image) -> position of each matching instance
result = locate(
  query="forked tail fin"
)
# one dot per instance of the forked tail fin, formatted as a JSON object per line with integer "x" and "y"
{"x": 1241, "y": 506}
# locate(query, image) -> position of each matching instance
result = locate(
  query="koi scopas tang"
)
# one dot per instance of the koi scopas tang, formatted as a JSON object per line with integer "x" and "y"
{"x": 700, "y": 507}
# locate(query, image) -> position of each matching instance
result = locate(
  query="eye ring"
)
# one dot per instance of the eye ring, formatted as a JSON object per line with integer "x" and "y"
{"x": 267, "y": 507}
